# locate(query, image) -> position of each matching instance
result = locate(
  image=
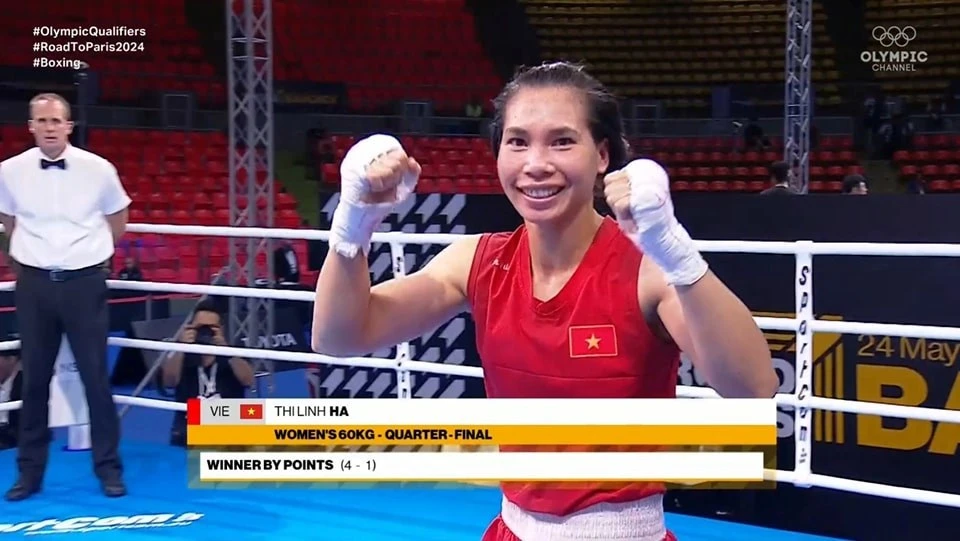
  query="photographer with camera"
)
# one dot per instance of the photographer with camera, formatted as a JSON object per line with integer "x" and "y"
{"x": 204, "y": 376}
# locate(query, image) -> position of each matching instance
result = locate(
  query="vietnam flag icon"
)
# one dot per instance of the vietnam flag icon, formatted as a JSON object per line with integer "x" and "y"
{"x": 251, "y": 411}
{"x": 593, "y": 341}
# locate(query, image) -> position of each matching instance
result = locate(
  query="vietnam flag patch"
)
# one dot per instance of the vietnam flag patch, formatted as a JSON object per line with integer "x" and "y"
{"x": 251, "y": 411}
{"x": 593, "y": 341}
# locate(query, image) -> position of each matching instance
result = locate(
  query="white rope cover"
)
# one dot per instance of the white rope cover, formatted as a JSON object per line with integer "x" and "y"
{"x": 804, "y": 324}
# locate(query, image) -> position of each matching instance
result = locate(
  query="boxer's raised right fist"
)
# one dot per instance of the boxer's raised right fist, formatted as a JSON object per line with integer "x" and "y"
{"x": 385, "y": 174}
{"x": 376, "y": 168}
{"x": 375, "y": 176}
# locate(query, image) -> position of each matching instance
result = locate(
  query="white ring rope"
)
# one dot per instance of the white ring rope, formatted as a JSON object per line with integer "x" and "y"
{"x": 801, "y": 399}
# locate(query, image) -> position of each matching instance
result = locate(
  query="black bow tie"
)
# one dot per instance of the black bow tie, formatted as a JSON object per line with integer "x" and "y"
{"x": 61, "y": 163}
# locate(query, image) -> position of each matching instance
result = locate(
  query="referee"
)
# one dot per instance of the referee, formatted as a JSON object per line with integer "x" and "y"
{"x": 63, "y": 209}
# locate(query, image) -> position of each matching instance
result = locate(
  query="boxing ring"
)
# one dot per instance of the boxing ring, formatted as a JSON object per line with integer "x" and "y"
{"x": 379, "y": 514}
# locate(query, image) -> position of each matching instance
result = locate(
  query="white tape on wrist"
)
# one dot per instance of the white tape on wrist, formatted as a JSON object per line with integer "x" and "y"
{"x": 659, "y": 234}
{"x": 355, "y": 221}
{"x": 675, "y": 254}
{"x": 353, "y": 225}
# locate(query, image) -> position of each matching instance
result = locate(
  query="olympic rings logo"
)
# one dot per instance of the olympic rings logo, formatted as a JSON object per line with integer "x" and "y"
{"x": 894, "y": 35}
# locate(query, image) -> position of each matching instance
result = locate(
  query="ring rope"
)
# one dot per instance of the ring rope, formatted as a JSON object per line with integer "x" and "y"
{"x": 715, "y": 246}
{"x": 932, "y": 332}
{"x": 801, "y": 250}
{"x": 683, "y": 391}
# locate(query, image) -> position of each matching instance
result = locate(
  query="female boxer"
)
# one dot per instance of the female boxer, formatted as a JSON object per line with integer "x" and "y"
{"x": 635, "y": 291}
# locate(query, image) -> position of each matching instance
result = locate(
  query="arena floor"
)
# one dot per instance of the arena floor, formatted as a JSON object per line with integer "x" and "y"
{"x": 156, "y": 478}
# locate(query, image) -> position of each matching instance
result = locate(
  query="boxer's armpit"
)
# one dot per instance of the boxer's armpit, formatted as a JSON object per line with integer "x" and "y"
{"x": 652, "y": 289}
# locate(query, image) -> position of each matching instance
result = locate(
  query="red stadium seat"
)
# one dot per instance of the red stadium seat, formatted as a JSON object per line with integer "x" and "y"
{"x": 163, "y": 275}
{"x": 205, "y": 217}
{"x": 939, "y": 185}
{"x": 288, "y": 219}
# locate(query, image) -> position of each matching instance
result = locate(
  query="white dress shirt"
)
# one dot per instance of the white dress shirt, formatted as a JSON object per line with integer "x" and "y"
{"x": 61, "y": 212}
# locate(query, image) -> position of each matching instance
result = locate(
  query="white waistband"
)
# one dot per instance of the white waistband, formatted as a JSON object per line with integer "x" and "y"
{"x": 640, "y": 520}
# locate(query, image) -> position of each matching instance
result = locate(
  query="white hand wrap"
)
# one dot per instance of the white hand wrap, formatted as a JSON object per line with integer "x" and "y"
{"x": 354, "y": 221}
{"x": 659, "y": 234}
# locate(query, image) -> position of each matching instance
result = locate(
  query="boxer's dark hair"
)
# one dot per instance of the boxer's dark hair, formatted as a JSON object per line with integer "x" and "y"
{"x": 605, "y": 120}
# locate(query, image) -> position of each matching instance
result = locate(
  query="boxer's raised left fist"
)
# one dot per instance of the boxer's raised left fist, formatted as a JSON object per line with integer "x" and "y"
{"x": 639, "y": 195}
{"x": 616, "y": 190}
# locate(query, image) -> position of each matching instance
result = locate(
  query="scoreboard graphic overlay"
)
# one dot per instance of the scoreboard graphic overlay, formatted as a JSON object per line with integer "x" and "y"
{"x": 361, "y": 443}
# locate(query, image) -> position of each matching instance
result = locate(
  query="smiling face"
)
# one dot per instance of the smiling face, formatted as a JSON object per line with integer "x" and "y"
{"x": 50, "y": 125}
{"x": 548, "y": 161}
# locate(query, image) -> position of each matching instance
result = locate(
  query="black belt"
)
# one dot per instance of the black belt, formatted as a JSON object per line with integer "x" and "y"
{"x": 65, "y": 275}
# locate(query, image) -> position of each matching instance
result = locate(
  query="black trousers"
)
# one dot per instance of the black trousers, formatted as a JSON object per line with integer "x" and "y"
{"x": 72, "y": 303}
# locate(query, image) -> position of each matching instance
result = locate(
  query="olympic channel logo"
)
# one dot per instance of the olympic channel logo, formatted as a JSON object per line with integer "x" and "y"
{"x": 894, "y": 35}
{"x": 890, "y": 37}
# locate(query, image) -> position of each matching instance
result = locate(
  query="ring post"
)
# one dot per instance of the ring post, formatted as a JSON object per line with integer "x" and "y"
{"x": 78, "y": 438}
{"x": 403, "y": 348}
{"x": 803, "y": 432}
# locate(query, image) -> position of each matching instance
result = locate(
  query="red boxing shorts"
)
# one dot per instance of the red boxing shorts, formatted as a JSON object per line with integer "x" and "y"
{"x": 498, "y": 531}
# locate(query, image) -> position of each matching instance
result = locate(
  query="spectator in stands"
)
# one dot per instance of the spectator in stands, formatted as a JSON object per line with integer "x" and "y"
{"x": 874, "y": 110}
{"x": 203, "y": 376}
{"x": 130, "y": 270}
{"x": 855, "y": 185}
{"x": 320, "y": 146}
{"x": 754, "y": 137}
{"x": 286, "y": 265}
{"x": 474, "y": 112}
{"x": 319, "y": 151}
{"x": 896, "y": 134}
{"x": 11, "y": 390}
{"x": 936, "y": 108}
{"x": 474, "y": 108}
{"x": 916, "y": 186}
{"x": 904, "y": 130}
{"x": 950, "y": 99}
{"x": 780, "y": 177}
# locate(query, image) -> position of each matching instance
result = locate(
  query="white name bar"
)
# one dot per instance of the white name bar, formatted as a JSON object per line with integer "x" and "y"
{"x": 508, "y": 412}
{"x": 234, "y": 466}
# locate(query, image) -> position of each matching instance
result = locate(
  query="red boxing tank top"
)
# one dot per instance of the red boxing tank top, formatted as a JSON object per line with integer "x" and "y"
{"x": 589, "y": 341}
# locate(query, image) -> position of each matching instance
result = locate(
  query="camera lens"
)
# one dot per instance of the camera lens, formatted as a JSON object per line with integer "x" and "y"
{"x": 205, "y": 334}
